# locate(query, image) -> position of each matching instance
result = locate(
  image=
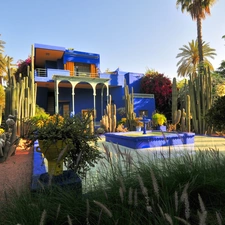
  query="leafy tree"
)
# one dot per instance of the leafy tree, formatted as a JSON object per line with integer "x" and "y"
{"x": 217, "y": 86}
{"x": 161, "y": 86}
{"x": 189, "y": 58}
{"x": 221, "y": 69}
{"x": 198, "y": 9}
{"x": 216, "y": 115}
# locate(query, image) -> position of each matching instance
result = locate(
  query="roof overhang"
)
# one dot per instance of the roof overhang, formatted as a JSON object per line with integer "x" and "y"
{"x": 44, "y": 53}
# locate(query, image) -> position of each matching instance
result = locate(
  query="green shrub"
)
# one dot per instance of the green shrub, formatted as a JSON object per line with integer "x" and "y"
{"x": 215, "y": 116}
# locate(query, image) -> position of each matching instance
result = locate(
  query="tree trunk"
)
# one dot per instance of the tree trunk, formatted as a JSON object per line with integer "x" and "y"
{"x": 199, "y": 36}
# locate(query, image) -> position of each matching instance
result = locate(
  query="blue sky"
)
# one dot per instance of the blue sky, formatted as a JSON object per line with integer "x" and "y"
{"x": 129, "y": 34}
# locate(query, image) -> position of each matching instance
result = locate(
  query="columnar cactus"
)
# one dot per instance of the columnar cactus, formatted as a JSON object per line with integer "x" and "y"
{"x": 188, "y": 114}
{"x": 177, "y": 115}
{"x": 129, "y": 106}
{"x": 174, "y": 100}
{"x": 183, "y": 121}
{"x": 109, "y": 118}
{"x": 200, "y": 91}
{"x": 21, "y": 98}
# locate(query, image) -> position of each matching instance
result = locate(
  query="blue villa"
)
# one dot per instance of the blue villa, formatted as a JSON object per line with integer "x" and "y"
{"x": 70, "y": 81}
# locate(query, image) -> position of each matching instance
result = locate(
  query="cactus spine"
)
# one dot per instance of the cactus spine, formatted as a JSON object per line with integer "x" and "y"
{"x": 129, "y": 106}
{"x": 109, "y": 118}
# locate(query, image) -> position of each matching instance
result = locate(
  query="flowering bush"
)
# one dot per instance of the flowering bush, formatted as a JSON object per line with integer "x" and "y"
{"x": 22, "y": 67}
{"x": 161, "y": 86}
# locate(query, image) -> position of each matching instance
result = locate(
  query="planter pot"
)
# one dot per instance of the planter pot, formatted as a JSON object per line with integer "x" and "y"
{"x": 162, "y": 128}
{"x": 54, "y": 153}
{"x": 138, "y": 128}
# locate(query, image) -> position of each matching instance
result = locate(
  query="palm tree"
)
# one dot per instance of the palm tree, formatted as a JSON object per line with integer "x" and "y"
{"x": 198, "y": 10}
{"x": 189, "y": 58}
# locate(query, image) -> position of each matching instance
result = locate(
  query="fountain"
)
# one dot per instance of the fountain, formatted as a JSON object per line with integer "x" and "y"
{"x": 145, "y": 121}
{"x": 149, "y": 139}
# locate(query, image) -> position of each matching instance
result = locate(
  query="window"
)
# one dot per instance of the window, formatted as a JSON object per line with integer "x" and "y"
{"x": 143, "y": 112}
{"x": 82, "y": 69}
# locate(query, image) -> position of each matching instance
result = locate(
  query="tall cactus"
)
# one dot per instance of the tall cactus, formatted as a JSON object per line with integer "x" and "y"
{"x": 20, "y": 98}
{"x": 129, "y": 106}
{"x": 200, "y": 91}
{"x": 177, "y": 115}
{"x": 174, "y": 100}
{"x": 188, "y": 114}
{"x": 109, "y": 118}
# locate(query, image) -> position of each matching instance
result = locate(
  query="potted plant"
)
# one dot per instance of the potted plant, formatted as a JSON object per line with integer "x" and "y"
{"x": 68, "y": 140}
{"x": 138, "y": 123}
{"x": 159, "y": 120}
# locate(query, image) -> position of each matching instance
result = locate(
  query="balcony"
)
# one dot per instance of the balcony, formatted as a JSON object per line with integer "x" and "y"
{"x": 47, "y": 74}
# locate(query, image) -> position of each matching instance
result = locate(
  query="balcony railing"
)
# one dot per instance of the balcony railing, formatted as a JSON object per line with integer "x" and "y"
{"x": 39, "y": 72}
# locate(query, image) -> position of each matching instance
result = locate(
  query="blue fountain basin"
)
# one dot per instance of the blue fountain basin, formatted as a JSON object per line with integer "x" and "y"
{"x": 137, "y": 140}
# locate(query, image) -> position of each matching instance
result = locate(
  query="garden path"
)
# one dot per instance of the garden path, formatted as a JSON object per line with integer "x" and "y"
{"x": 16, "y": 172}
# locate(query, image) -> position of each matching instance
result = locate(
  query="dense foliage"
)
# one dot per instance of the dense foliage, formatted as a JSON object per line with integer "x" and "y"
{"x": 221, "y": 69}
{"x": 161, "y": 86}
{"x": 216, "y": 115}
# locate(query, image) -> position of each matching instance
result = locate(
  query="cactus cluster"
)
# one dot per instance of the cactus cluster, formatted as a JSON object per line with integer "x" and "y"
{"x": 177, "y": 115}
{"x": 198, "y": 101}
{"x": 109, "y": 118}
{"x": 129, "y": 106}
{"x": 20, "y": 98}
{"x": 200, "y": 91}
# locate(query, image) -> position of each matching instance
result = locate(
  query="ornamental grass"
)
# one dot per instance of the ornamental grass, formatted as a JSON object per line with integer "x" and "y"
{"x": 188, "y": 189}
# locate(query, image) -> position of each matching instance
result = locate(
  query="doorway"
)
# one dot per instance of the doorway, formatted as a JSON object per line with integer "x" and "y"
{"x": 64, "y": 108}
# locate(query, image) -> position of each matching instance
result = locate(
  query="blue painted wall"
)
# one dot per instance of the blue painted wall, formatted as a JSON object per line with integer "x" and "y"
{"x": 81, "y": 57}
{"x": 133, "y": 80}
{"x": 42, "y": 97}
{"x": 147, "y": 104}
